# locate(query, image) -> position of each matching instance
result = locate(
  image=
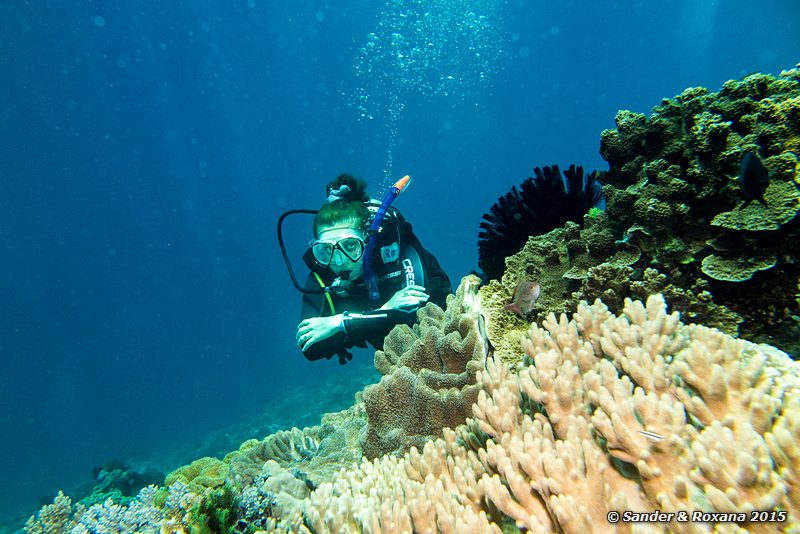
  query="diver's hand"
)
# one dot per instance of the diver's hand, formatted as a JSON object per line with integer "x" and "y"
{"x": 315, "y": 329}
{"x": 408, "y": 297}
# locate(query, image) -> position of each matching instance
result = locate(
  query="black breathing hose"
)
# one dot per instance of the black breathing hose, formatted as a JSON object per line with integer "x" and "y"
{"x": 286, "y": 256}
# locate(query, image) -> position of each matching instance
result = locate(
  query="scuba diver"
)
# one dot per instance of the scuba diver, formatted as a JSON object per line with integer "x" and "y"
{"x": 369, "y": 272}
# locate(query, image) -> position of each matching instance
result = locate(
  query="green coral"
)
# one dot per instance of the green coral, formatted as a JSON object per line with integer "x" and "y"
{"x": 215, "y": 513}
{"x": 200, "y": 475}
{"x": 678, "y": 221}
{"x": 694, "y": 303}
{"x": 782, "y": 204}
{"x": 735, "y": 269}
{"x": 674, "y": 192}
{"x": 99, "y": 497}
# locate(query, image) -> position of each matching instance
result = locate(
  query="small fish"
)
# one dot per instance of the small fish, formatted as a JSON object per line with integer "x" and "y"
{"x": 487, "y": 343}
{"x": 651, "y": 435}
{"x": 524, "y": 297}
{"x": 753, "y": 177}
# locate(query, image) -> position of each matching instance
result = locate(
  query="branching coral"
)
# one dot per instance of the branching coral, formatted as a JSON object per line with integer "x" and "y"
{"x": 636, "y": 412}
{"x": 144, "y": 514}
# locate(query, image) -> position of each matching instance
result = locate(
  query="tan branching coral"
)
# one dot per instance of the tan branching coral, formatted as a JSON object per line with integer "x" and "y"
{"x": 637, "y": 412}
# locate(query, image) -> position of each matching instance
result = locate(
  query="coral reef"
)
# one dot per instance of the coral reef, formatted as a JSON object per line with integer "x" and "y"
{"x": 632, "y": 413}
{"x": 683, "y": 220}
{"x": 429, "y": 375}
{"x": 676, "y": 192}
{"x": 144, "y": 514}
{"x": 538, "y": 206}
{"x": 629, "y": 413}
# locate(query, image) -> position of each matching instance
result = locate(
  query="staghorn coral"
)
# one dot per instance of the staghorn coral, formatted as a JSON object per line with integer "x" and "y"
{"x": 429, "y": 375}
{"x": 634, "y": 412}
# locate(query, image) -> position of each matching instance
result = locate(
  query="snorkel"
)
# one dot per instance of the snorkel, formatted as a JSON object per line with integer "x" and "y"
{"x": 372, "y": 237}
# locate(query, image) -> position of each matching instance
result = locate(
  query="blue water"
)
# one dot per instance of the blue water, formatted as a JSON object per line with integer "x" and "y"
{"x": 147, "y": 149}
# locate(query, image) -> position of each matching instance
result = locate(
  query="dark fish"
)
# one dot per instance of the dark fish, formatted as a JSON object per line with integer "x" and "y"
{"x": 524, "y": 297}
{"x": 753, "y": 178}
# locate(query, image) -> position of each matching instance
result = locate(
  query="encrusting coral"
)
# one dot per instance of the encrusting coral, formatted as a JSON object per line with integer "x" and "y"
{"x": 678, "y": 206}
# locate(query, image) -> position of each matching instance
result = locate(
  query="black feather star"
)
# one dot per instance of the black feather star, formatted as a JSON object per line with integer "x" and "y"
{"x": 540, "y": 204}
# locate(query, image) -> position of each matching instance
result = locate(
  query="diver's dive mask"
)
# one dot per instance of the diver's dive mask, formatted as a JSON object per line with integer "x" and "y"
{"x": 351, "y": 247}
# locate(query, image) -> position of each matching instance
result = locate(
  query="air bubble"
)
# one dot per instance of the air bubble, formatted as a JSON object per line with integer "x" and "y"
{"x": 448, "y": 50}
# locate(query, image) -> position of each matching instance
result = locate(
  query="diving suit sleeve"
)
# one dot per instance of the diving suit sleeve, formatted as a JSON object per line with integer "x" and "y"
{"x": 376, "y": 323}
{"x": 359, "y": 328}
{"x": 313, "y": 305}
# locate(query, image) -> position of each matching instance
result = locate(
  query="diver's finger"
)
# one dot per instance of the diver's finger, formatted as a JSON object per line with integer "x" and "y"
{"x": 306, "y": 339}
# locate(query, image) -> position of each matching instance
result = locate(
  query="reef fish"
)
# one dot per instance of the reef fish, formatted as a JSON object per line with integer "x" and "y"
{"x": 753, "y": 177}
{"x": 524, "y": 297}
{"x": 651, "y": 435}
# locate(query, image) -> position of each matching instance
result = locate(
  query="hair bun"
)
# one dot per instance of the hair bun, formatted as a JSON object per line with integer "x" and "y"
{"x": 347, "y": 187}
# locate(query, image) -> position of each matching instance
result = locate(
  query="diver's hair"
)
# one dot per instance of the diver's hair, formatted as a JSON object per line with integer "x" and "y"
{"x": 349, "y": 209}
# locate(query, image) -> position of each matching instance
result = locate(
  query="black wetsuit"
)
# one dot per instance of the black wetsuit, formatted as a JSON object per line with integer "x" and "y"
{"x": 398, "y": 261}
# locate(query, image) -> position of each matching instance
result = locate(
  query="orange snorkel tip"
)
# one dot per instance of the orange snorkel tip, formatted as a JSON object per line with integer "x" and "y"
{"x": 402, "y": 183}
